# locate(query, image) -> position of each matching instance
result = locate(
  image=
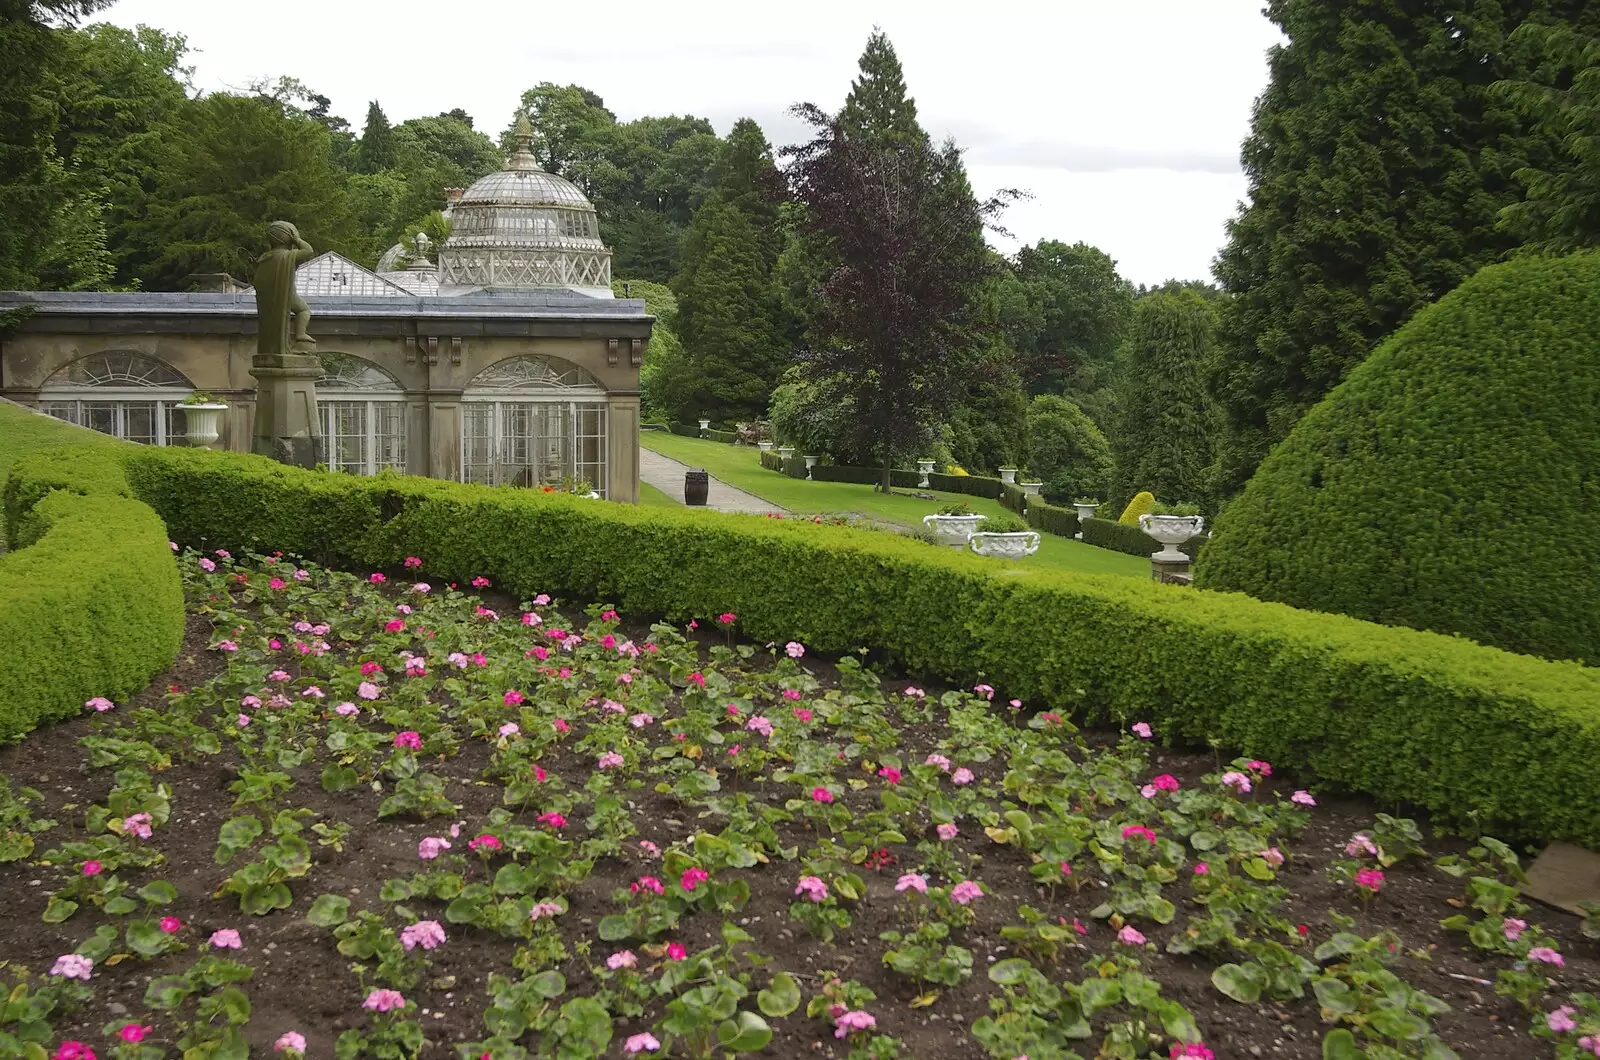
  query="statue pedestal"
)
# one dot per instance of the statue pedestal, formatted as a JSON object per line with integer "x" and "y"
{"x": 288, "y": 427}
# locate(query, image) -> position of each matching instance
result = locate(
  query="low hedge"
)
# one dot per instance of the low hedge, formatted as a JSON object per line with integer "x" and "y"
{"x": 689, "y": 431}
{"x": 90, "y": 602}
{"x": 1130, "y": 539}
{"x": 1013, "y": 499}
{"x": 1063, "y": 522}
{"x": 1506, "y": 742}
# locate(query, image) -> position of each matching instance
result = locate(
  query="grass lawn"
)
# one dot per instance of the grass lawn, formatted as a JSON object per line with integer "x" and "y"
{"x": 650, "y": 497}
{"x": 740, "y": 465}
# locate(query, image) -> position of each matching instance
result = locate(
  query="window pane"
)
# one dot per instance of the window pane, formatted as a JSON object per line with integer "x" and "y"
{"x": 477, "y": 445}
{"x": 139, "y": 422}
{"x": 390, "y": 434}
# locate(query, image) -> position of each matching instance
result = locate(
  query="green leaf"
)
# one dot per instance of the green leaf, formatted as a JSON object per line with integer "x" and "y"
{"x": 1334, "y": 995}
{"x": 1401, "y": 1026}
{"x": 547, "y": 984}
{"x": 782, "y": 996}
{"x": 329, "y": 910}
{"x": 121, "y": 905}
{"x": 145, "y": 938}
{"x": 167, "y": 992}
{"x": 1009, "y": 971}
{"x": 339, "y": 778}
{"x": 1096, "y": 994}
{"x": 745, "y": 1033}
{"x": 1242, "y": 982}
{"x": 58, "y": 909}
{"x": 1340, "y": 1044}
{"x": 234, "y": 835}
{"x": 615, "y": 928}
{"x": 158, "y": 892}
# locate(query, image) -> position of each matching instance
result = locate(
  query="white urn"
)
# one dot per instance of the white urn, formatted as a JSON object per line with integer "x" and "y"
{"x": 1170, "y": 531}
{"x": 811, "y": 462}
{"x": 1006, "y": 546}
{"x": 1085, "y": 510}
{"x": 1008, "y": 475}
{"x": 954, "y": 530}
{"x": 765, "y": 447}
{"x": 1031, "y": 488}
{"x": 924, "y": 468}
{"x": 203, "y": 423}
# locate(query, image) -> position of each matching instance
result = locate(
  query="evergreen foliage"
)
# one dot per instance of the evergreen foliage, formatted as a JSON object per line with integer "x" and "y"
{"x": 1142, "y": 503}
{"x": 1066, "y": 451}
{"x": 1378, "y": 162}
{"x": 1448, "y": 483}
{"x": 1164, "y": 419}
{"x": 663, "y": 357}
{"x": 376, "y": 151}
{"x": 877, "y": 106}
{"x": 1079, "y": 308}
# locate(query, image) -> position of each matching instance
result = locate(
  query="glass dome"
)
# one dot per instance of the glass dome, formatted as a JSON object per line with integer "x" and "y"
{"x": 525, "y": 228}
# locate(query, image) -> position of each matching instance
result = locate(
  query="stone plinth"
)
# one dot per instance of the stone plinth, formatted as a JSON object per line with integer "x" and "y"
{"x": 1171, "y": 572}
{"x": 288, "y": 427}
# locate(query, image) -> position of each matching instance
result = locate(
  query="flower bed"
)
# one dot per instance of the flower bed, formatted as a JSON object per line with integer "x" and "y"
{"x": 1482, "y": 736}
{"x": 376, "y": 817}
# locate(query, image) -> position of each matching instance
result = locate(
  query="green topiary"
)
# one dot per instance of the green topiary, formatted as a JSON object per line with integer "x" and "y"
{"x": 1449, "y": 482}
{"x": 1140, "y": 505}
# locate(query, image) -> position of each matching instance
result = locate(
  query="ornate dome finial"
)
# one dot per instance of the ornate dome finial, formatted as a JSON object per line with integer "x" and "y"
{"x": 521, "y": 159}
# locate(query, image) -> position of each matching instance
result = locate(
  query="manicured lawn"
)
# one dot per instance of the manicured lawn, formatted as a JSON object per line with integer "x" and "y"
{"x": 741, "y": 466}
{"x": 650, "y": 497}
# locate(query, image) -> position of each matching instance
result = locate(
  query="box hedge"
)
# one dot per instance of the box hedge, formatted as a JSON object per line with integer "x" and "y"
{"x": 1063, "y": 522}
{"x": 1445, "y": 484}
{"x": 1505, "y": 741}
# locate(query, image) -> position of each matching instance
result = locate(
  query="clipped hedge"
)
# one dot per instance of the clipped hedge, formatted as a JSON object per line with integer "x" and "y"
{"x": 1051, "y": 519}
{"x": 1013, "y": 499}
{"x": 90, "y": 601}
{"x": 1446, "y": 483}
{"x": 1471, "y": 732}
{"x": 693, "y": 431}
{"x": 1120, "y": 537}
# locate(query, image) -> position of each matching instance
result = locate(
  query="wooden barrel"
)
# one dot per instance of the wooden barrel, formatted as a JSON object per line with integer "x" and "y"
{"x": 696, "y": 484}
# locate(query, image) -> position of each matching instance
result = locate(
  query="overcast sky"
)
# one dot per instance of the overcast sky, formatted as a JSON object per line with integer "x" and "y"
{"x": 1123, "y": 119}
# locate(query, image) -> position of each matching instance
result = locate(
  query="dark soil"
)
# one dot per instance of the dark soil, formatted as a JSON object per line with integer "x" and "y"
{"x": 302, "y": 983}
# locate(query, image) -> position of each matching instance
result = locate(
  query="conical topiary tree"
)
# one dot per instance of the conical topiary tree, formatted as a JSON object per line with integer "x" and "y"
{"x": 1452, "y": 482}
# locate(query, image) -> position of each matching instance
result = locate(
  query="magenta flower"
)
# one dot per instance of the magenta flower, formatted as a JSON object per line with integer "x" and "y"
{"x": 912, "y": 881}
{"x": 424, "y": 933}
{"x": 93, "y": 868}
{"x": 409, "y": 740}
{"x": 1142, "y": 730}
{"x": 431, "y": 847}
{"x": 73, "y": 1050}
{"x": 133, "y": 1032}
{"x": 1165, "y": 782}
{"x": 966, "y": 892}
{"x": 610, "y": 760}
{"x": 693, "y": 877}
{"x": 812, "y": 887}
{"x": 676, "y": 952}
{"x": 1190, "y": 1051}
{"x": 647, "y": 883}
{"x": 1560, "y": 1021}
{"x": 1360, "y": 844}
{"x": 480, "y": 582}
{"x": 890, "y": 773}
{"x": 1256, "y": 765}
{"x": 622, "y": 959}
{"x": 376, "y": 578}
{"x": 962, "y": 777}
{"x": 947, "y": 832}
{"x": 551, "y": 820}
{"x": 1370, "y": 880}
{"x": 1202, "y": 869}
{"x": 1130, "y": 936}
{"x": 384, "y": 1001}
{"x": 171, "y": 925}
{"x": 641, "y": 1043}
{"x": 1513, "y": 928}
{"x": 1302, "y": 798}
{"x": 412, "y": 562}
{"x": 226, "y": 939}
{"x": 512, "y": 697}
{"x": 821, "y": 795}
{"x": 759, "y": 724}
{"x": 1139, "y": 831}
{"x": 1546, "y": 955}
{"x": 484, "y": 843}
{"x": 72, "y": 966}
{"x": 847, "y": 1023}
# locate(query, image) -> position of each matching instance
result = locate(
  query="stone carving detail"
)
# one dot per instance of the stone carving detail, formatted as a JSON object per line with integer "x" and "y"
{"x": 1006, "y": 546}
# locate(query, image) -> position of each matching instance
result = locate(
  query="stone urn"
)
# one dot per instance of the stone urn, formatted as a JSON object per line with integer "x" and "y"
{"x": 704, "y": 426}
{"x": 924, "y": 468}
{"x": 203, "y": 423}
{"x": 953, "y": 530}
{"x": 1171, "y": 531}
{"x": 811, "y": 462}
{"x": 785, "y": 451}
{"x": 1085, "y": 510}
{"x": 1008, "y": 475}
{"x": 1006, "y": 546}
{"x": 1031, "y": 489}
{"x": 765, "y": 447}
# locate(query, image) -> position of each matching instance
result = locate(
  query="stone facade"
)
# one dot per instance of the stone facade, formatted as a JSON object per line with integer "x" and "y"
{"x": 431, "y": 351}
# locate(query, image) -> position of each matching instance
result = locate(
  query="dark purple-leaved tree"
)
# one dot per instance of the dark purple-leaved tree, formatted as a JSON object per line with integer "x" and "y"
{"x": 899, "y": 309}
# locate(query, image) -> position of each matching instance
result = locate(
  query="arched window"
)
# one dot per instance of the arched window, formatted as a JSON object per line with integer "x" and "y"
{"x": 121, "y": 393}
{"x": 363, "y": 416}
{"x": 530, "y": 421}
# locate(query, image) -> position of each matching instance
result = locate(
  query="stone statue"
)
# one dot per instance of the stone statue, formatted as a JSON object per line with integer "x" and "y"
{"x": 276, "y": 299}
{"x": 288, "y": 426}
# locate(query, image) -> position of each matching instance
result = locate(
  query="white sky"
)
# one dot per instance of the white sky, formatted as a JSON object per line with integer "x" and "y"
{"x": 1123, "y": 118}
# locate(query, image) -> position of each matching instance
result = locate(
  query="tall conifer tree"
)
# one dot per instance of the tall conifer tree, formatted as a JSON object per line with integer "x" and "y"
{"x": 1378, "y": 163}
{"x": 376, "y": 151}
{"x": 1162, "y": 435}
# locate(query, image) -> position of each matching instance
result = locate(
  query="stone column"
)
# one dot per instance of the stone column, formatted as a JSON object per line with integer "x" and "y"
{"x": 287, "y": 425}
{"x": 622, "y": 445}
{"x": 444, "y": 435}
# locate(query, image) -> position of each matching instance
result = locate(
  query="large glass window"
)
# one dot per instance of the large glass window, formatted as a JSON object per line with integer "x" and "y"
{"x": 363, "y": 416}
{"x": 120, "y": 393}
{"x": 529, "y": 421}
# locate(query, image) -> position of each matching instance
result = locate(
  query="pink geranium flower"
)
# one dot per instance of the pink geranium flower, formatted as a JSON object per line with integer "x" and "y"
{"x": 962, "y": 776}
{"x": 72, "y": 966}
{"x": 641, "y": 1043}
{"x": 1130, "y": 936}
{"x": 512, "y": 698}
{"x": 99, "y": 704}
{"x": 552, "y": 819}
{"x": 1237, "y": 781}
{"x": 432, "y": 846}
{"x": 384, "y": 1001}
{"x": 138, "y": 824}
{"x": 1546, "y": 955}
{"x": 1139, "y": 831}
{"x": 1560, "y": 1021}
{"x": 1142, "y": 730}
{"x": 622, "y": 959}
{"x": 966, "y": 892}
{"x": 847, "y": 1023}
{"x": 610, "y": 760}
{"x": 226, "y": 939}
{"x": 484, "y": 843}
{"x": 368, "y": 690}
{"x": 409, "y": 740}
{"x": 1302, "y": 798}
{"x": 794, "y": 649}
{"x": 693, "y": 877}
{"x": 814, "y": 889}
{"x": 912, "y": 881}
{"x": 947, "y": 832}
{"x": 821, "y": 795}
{"x": 1513, "y": 928}
{"x": 92, "y": 868}
{"x": 425, "y": 933}
{"x": 1370, "y": 880}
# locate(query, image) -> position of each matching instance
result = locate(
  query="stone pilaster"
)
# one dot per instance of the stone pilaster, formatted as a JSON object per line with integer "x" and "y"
{"x": 288, "y": 427}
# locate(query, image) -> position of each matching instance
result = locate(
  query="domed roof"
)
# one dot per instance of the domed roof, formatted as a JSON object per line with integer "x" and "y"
{"x": 525, "y": 228}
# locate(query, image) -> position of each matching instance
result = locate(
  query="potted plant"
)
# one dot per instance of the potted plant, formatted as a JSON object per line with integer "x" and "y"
{"x": 785, "y": 452}
{"x": 1172, "y": 525}
{"x": 1031, "y": 489}
{"x": 953, "y": 524}
{"x": 1006, "y": 537}
{"x": 1008, "y": 475}
{"x": 202, "y": 418}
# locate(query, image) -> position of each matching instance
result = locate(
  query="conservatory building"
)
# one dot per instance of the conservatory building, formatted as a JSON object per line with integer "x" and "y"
{"x": 499, "y": 357}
